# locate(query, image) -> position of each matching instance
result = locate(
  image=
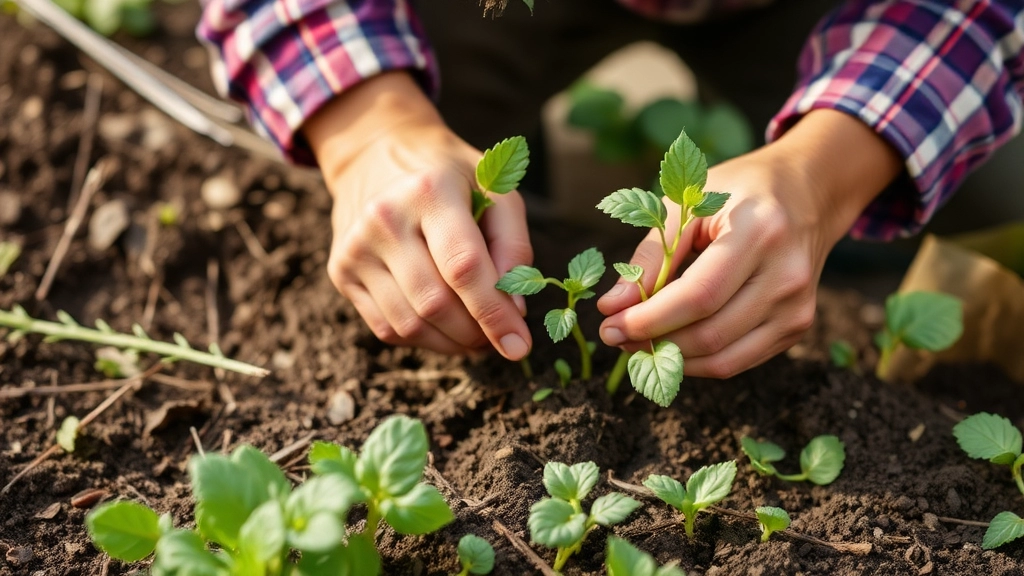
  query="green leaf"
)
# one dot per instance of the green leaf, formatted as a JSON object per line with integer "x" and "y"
{"x": 319, "y": 533}
{"x": 570, "y": 482}
{"x": 334, "y": 493}
{"x": 635, "y": 207}
{"x": 555, "y": 524}
{"x": 772, "y": 519}
{"x": 668, "y": 490}
{"x": 541, "y": 395}
{"x": 661, "y": 121}
{"x": 629, "y": 272}
{"x": 989, "y": 437}
{"x": 1005, "y": 527}
{"x": 564, "y": 371}
{"x": 559, "y": 323}
{"x": 711, "y": 484}
{"x": 684, "y": 171}
{"x": 479, "y": 202}
{"x": 523, "y": 280}
{"x": 393, "y": 457}
{"x": 503, "y": 166}
{"x": 612, "y": 508}
{"x": 710, "y": 204}
{"x": 358, "y": 558}
{"x": 761, "y": 455}
{"x": 330, "y": 458}
{"x": 593, "y": 108}
{"x": 420, "y": 511}
{"x": 476, "y": 555}
{"x": 262, "y": 537}
{"x": 104, "y": 16}
{"x": 822, "y": 459}
{"x": 9, "y": 252}
{"x": 925, "y": 320}
{"x": 124, "y": 530}
{"x": 529, "y": 4}
{"x": 573, "y": 286}
{"x": 183, "y": 553}
{"x": 587, "y": 267}
{"x": 623, "y": 559}
{"x": 657, "y": 376}
{"x": 842, "y": 353}
{"x": 68, "y": 433}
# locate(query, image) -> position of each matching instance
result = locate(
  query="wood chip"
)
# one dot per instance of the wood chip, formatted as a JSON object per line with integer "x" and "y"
{"x": 49, "y": 512}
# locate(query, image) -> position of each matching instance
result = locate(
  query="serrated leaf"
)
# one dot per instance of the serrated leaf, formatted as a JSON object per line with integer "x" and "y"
{"x": 328, "y": 458}
{"x": 635, "y": 207}
{"x": 612, "y": 508}
{"x": 184, "y": 552}
{"x": 925, "y": 320}
{"x": 524, "y": 280}
{"x": 68, "y": 433}
{"x": 629, "y": 272}
{"x": 420, "y": 511}
{"x": 570, "y": 482}
{"x": 761, "y": 454}
{"x": 573, "y": 285}
{"x": 657, "y": 376}
{"x": 684, "y": 171}
{"x": 623, "y": 559}
{"x": 822, "y": 459}
{"x": 710, "y": 204}
{"x": 559, "y": 323}
{"x": 711, "y": 484}
{"x": 989, "y": 437}
{"x": 124, "y": 530}
{"x": 772, "y": 519}
{"x": 476, "y": 554}
{"x": 1005, "y": 527}
{"x": 587, "y": 267}
{"x": 503, "y": 166}
{"x": 555, "y": 523}
{"x": 668, "y": 490}
{"x": 393, "y": 457}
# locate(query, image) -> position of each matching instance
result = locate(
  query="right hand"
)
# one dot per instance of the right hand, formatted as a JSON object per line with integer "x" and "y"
{"x": 406, "y": 250}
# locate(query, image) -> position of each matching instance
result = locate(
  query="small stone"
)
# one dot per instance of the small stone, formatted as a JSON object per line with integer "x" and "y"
{"x": 279, "y": 206}
{"x": 10, "y": 208}
{"x": 917, "y": 432}
{"x": 107, "y": 224}
{"x": 931, "y": 521}
{"x": 340, "y": 407}
{"x": 904, "y": 503}
{"x": 220, "y": 192}
{"x": 18, "y": 555}
{"x": 282, "y": 359}
{"x": 503, "y": 453}
{"x": 922, "y": 505}
{"x": 32, "y": 108}
{"x": 953, "y": 500}
{"x": 116, "y": 127}
{"x": 158, "y": 133}
{"x": 883, "y": 521}
{"x": 878, "y": 532}
{"x": 73, "y": 80}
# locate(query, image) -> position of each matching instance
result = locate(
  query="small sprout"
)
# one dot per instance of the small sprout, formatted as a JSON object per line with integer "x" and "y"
{"x": 624, "y": 559}
{"x": 68, "y": 433}
{"x": 9, "y": 252}
{"x": 115, "y": 363}
{"x": 559, "y": 521}
{"x": 772, "y": 519}
{"x": 919, "y": 320}
{"x": 564, "y": 372}
{"x": 167, "y": 215}
{"x": 499, "y": 171}
{"x": 542, "y": 394}
{"x": 843, "y": 355}
{"x": 1005, "y": 527}
{"x": 708, "y": 485}
{"x": 821, "y": 460}
{"x": 475, "y": 555}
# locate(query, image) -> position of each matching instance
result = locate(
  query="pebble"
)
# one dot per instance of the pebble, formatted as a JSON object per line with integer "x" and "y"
{"x": 116, "y": 127}
{"x": 931, "y": 521}
{"x": 220, "y": 192}
{"x": 19, "y": 555}
{"x": 10, "y": 207}
{"x": 916, "y": 433}
{"x": 904, "y": 503}
{"x": 158, "y": 132}
{"x": 32, "y": 108}
{"x": 107, "y": 224}
{"x": 279, "y": 206}
{"x": 953, "y": 500}
{"x": 340, "y": 407}
{"x": 282, "y": 359}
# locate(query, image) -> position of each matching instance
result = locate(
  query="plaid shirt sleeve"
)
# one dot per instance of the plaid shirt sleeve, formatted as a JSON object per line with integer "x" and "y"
{"x": 941, "y": 80}
{"x": 284, "y": 59}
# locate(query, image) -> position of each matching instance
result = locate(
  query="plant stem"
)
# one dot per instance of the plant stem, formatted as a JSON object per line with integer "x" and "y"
{"x": 585, "y": 369}
{"x": 1016, "y": 471}
{"x": 20, "y": 321}
{"x": 465, "y": 571}
{"x": 883, "y": 360}
{"x": 690, "y": 520}
{"x": 765, "y": 534}
{"x": 666, "y": 261}
{"x": 791, "y": 477}
{"x": 561, "y": 557}
{"x": 618, "y": 371}
{"x": 524, "y": 363}
{"x": 372, "y": 522}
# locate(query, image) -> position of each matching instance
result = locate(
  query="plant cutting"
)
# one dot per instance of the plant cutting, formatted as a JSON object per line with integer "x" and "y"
{"x": 476, "y": 556}
{"x": 994, "y": 438}
{"x": 821, "y": 460}
{"x": 658, "y": 373}
{"x": 919, "y": 320}
{"x": 499, "y": 171}
{"x": 585, "y": 271}
{"x": 247, "y": 508}
{"x": 708, "y": 485}
{"x": 560, "y": 522}
{"x": 772, "y": 519}
{"x": 624, "y": 559}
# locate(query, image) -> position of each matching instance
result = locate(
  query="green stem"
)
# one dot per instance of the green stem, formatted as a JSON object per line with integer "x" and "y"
{"x": 465, "y": 571}
{"x": 643, "y": 293}
{"x": 765, "y": 534}
{"x": 691, "y": 519}
{"x": 666, "y": 261}
{"x": 1017, "y": 475}
{"x": 524, "y": 363}
{"x": 585, "y": 369}
{"x": 883, "y": 360}
{"x": 373, "y": 519}
{"x": 618, "y": 371}
{"x": 68, "y": 329}
{"x": 791, "y": 477}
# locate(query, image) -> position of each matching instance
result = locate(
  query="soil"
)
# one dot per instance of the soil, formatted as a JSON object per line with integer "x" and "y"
{"x": 489, "y": 440}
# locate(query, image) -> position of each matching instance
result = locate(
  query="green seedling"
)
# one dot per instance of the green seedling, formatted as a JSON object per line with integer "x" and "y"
{"x": 115, "y": 363}
{"x": 843, "y": 355}
{"x": 658, "y": 373}
{"x": 9, "y": 252}
{"x": 821, "y": 460}
{"x": 499, "y": 172}
{"x": 919, "y": 320}
{"x": 167, "y": 215}
{"x": 708, "y": 485}
{"x": 21, "y": 324}
{"x": 772, "y": 519}
{"x": 560, "y": 522}
{"x": 247, "y": 510}
{"x": 585, "y": 270}
{"x": 68, "y": 433}
{"x": 624, "y": 559}
{"x": 109, "y": 16}
{"x": 994, "y": 438}
{"x": 476, "y": 556}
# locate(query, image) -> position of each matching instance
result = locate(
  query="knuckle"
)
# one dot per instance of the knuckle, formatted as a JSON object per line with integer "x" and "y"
{"x": 706, "y": 293}
{"x": 384, "y": 332}
{"x": 798, "y": 278}
{"x": 803, "y": 319}
{"x": 708, "y": 340}
{"x": 774, "y": 229}
{"x": 410, "y": 327}
{"x": 384, "y": 218}
{"x": 721, "y": 368}
{"x": 462, "y": 267}
{"x": 432, "y": 303}
{"x": 491, "y": 314}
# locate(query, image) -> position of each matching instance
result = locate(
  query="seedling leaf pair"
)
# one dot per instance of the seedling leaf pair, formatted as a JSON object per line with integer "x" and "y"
{"x": 475, "y": 555}
{"x": 500, "y": 170}
{"x": 821, "y": 461}
{"x": 772, "y": 519}
{"x": 920, "y": 320}
{"x": 657, "y": 375}
{"x": 623, "y": 559}
{"x": 708, "y": 485}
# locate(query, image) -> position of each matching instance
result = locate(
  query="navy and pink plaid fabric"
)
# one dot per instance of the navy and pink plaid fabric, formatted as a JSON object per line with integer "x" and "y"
{"x": 940, "y": 80}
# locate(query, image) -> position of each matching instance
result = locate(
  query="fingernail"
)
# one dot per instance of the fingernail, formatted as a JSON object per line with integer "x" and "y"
{"x": 616, "y": 290}
{"x": 612, "y": 336}
{"x": 514, "y": 345}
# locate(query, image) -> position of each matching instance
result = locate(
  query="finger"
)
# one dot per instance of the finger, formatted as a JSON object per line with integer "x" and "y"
{"x": 747, "y": 310}
{"x": 457, "y": 246}
{"x": 754, "y": 349}
{"x": 508, "y": 237}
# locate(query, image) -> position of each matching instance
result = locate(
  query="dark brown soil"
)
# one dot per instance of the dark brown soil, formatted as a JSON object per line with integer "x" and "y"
{"x": 489, "y": 439}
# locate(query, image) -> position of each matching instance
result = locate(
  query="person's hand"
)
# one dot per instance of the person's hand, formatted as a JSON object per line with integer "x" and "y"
{"x": 750, "y": 292}
{"x": 406, "y": 250}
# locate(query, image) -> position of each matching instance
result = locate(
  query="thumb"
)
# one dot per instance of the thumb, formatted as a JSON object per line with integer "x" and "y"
{"x": 508, "y": 238}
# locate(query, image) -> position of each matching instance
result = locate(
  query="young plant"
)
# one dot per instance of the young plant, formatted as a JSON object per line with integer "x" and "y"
{"x": 658, "y": 373}
{"x": 68, "y": 433}
{"x": 476, "y": 556}
{"x": 624, "y": 559}
{"x": 772, "y": 519}
{"x": 920, "y": 320}
{"x": 821, "y": 460}
{"x": 843, "y": 355}
{"x": 994, "y": 438}
{"x": 21, "y": 324}
{"x": 708, "y": 485}
{"x": 247, "y": 508}
{"x": 585, "y": 270}
{"x": 499, "y": 172}
{"x": 560, "y": 522}
{"x": 9, "y": 252}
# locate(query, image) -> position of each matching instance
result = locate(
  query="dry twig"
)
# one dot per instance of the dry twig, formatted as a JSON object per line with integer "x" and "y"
{"x": 93, "y": 92}
{"x": 291, "y": 448}
{"x": 949, "y": 520}
{"x": 523, "y": 548}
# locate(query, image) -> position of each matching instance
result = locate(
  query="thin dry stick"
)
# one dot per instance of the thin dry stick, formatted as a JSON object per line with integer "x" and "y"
{"x": 93, "y": 181}
{"x": 949, "y": 520}
{"x": 102, "y": 385}
{"x": 252, "y": 243}
{"x": 93, "y": 92}
{"x": 212, "y": 314}
{"x": 149, "y": 312}
{"x": 291, "y": 448}
{"x": 197, "y": 441}
{"x": 523, "y": 548}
